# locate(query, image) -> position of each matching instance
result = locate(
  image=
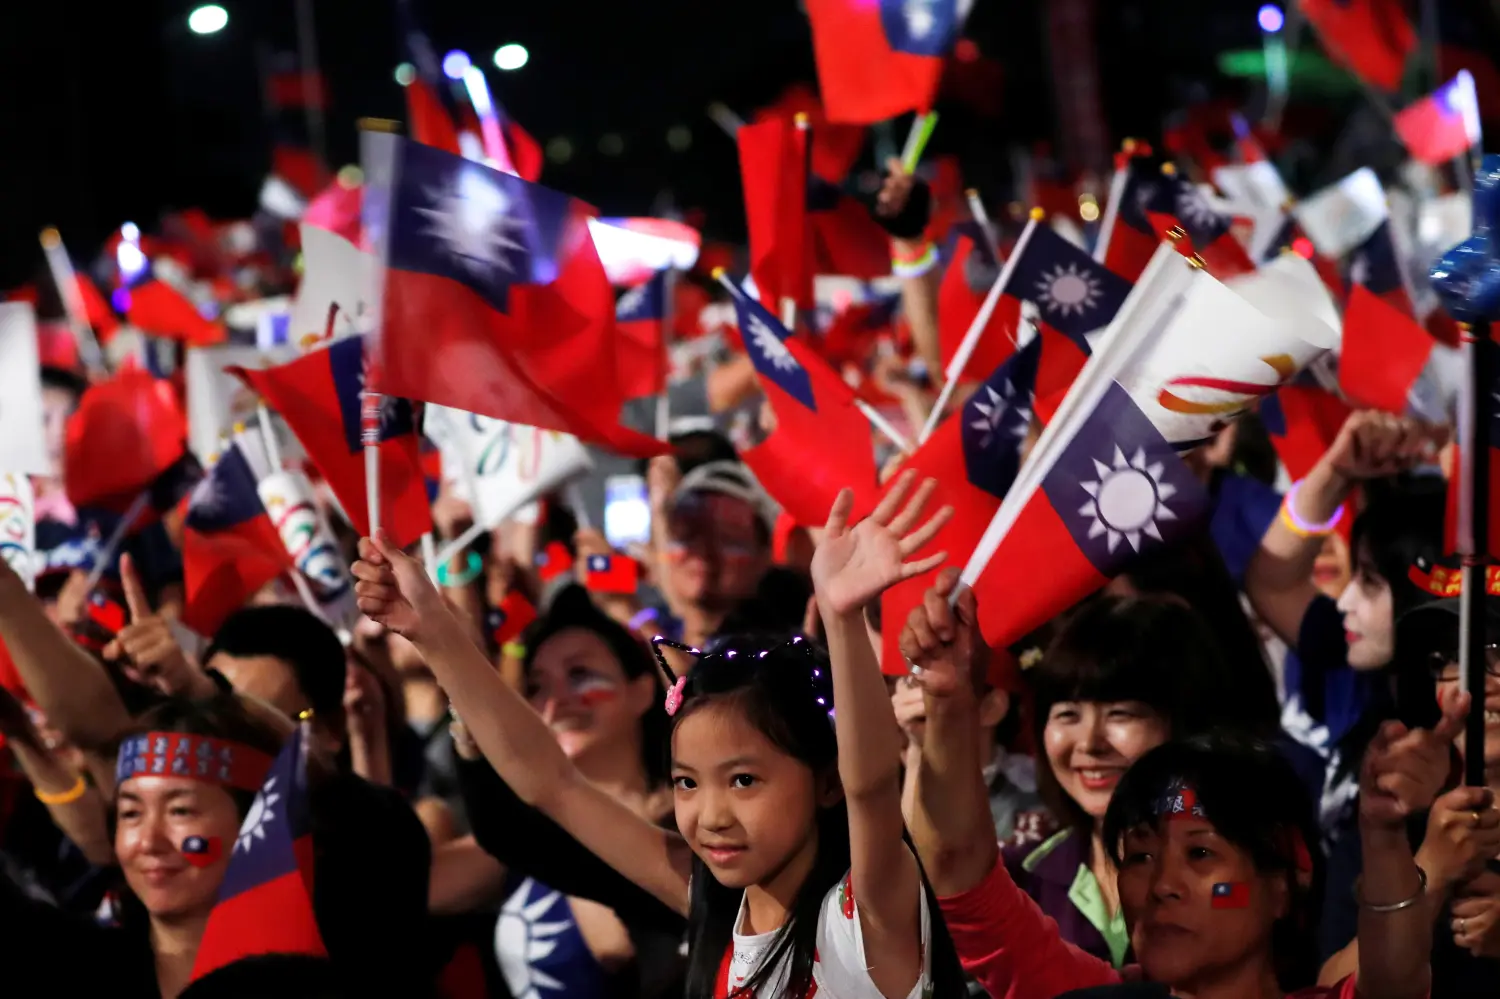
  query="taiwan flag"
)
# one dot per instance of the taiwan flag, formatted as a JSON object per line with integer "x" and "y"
{"x": 1444, "y": 124}
{"x": 319, "y": 395}
{"x": 1302, "y": 422}
{"x": 1384, "y": 352}
{"x": 161, "y": 310}
{"x": 265, "y": 903}
{"x": 972, "y": 270}
{"x": 1131, "y": 238}
{"x": 494, "y": 299}
{"x": 822, "y": 442}
{"x": 774, "y": 174}
{"x": 1177, "y": 202}
{"x": 1074, "y": 295}
{"x": 1115, "y": 490}
{"x": 1371, "y": 37}
{"x": 846, "y": 240}
{"x": 975, "y": 459}
{"x": 880, "y": 58}
{"x": 610, "y": 574}
{"x": 506, "y": 622}
{"x": 230, "y": 548}
{"x": 1376, "y": 265}
{"x": 640, "y": 351}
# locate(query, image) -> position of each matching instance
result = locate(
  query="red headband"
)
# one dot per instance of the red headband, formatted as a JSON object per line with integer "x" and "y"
{"x": 197, "y": 757}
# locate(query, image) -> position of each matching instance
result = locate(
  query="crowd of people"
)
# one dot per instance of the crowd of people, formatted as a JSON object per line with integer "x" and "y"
{"x": 1232, "y": 771}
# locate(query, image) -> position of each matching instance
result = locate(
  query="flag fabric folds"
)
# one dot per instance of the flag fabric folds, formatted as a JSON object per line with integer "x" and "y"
{"x": 319, "y": 395}
{"x": 973, "y": 267}
{"x": 494, "y": 300}
{"x": 265, "y": 903}
{"x": 773, "y": 168}
{"x": 1371, "y": 37}
{"x": 1444, "y": 124}
{"x": 1073, "y": 294}
{"x": 879, "y": 58}
{"x": 126, "y": 433}
{"x": 230, "y": 548}
{"x": 1384, "y": 352}
{"x": 641, "y": 350}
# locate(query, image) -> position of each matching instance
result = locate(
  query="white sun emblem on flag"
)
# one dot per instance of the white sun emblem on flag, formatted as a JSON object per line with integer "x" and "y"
{"x": 1195, "y": 210}
{"x": 1068, "y": 291}
{"x": 630, "y": 303}
{"x": 919, "y": 17}
{"x": 207, "y": 497}
{"x": 770, "y": 345}
{"x": 521, "y": 940}
{"x": 473, "y": 220}
{"x": 1127, "y": 500}
{"x": 259, "y": 816}
{"x": 992, "y": 410}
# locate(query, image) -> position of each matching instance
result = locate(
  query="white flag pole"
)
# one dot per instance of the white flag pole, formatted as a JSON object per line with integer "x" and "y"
{"x": 1112, "y": 204}
{"x": 116, "y": 538}
{"x": 370, "y": 432}
{"x": 976, "y": 328}
{"x": 268, "y": 434}
{"x": 61, "y": 268}
{"x": 976, "y": 209}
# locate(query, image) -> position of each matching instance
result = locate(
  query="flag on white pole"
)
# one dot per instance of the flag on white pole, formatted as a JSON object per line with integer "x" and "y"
{"x": 23, "y": 442}
{"x": 1342, "y": 216}
{"x": 336, "y": 297}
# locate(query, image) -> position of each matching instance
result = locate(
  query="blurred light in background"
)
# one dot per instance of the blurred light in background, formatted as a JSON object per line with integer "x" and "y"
{"x": 611, "y": 144}
{"x": 511, "y": 56}
{"x": 405, "y": 73}
{"x": 560, "y": 149}
{"x": 455, "y": 64}
{"x": 1270, "y": 18}
{"x": 207, "y": 19}
{"x": 679, "y": 138}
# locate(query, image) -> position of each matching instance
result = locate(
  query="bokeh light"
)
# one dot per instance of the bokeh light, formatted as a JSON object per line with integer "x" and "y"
{"x": 1270, "y": 18}
{"x": 208, "y": 19}
{"x": 679, "y": 138}
{"x": 560, "y": 149}
{"x": 405, "y": 73}
{"x": 455, "y": 64}
{"x": 611, "y": 144}
{"x": 511, "y": 56}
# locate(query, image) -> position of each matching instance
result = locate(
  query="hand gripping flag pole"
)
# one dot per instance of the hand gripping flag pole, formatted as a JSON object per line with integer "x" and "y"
{"x": 1467, "y": 280}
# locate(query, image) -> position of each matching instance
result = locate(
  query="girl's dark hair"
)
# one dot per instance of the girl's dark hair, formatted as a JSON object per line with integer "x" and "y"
{"x": 1194, "y": 571}
{"x": 1159, "y": 652}
{"x": 572, "y": 608}
{"x": 1253, "y": 798}
{"x": 1402, "y": 520}
{"x": 784, "y": 689}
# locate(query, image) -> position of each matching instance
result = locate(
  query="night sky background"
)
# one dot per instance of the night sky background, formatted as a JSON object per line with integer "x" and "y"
{"x": 115, "y": 111}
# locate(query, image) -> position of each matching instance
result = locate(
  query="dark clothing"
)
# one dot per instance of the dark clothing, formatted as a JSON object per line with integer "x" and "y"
{"x": 531, "y": 845}
{"x": 1057, "y": 877}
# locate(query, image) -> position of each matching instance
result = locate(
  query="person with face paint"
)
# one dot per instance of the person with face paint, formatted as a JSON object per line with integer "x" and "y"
{"x": 1218, "y": 887}
{"x": 1334, "y": 693}
{"x": 1458, "y": 839}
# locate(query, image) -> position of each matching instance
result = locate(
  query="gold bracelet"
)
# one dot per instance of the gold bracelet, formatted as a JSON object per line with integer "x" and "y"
{"x": 67, "y": 797}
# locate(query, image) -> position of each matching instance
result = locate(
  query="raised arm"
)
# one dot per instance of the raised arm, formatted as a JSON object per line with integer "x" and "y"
{"x": 394, "y": 590}
{"x": 951, "y": 826}
{"x": 850, "y": 568}
{"x": 1370, "y": 445}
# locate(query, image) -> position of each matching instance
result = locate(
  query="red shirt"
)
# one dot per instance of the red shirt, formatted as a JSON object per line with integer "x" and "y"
{"x": 1016, "y": 952}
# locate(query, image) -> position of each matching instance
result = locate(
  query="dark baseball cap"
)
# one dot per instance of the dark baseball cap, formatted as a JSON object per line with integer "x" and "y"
{"x": 1429, "y": 622}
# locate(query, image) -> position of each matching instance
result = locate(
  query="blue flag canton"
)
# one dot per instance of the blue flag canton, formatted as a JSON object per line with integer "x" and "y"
{"x": 995, "y": 420}
{"x": 1203, "y": 223}
{"x": 1374, "y": 263}
{"x": 1143, "y": 186}
{"x": 1120, "y": 487}
{"x": 483, "y": 228}
{"x": 765, "y": 342}
{"x": 646, "y": 301}
{"x": 226, "y": 497}
{"x": 1074, "y": 294}
{"x": 278, "y": 817}
{"x": 350, "y": 368}
{"x": 922, "y": 27}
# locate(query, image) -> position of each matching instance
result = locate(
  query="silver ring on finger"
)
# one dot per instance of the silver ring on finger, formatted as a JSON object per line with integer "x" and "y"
{"x": 1461, "y": 924}
{"x": 914, "y": 669}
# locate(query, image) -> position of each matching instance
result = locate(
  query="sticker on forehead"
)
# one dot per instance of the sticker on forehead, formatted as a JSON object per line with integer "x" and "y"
{"x": 202, "y": 851}
{"x": 1231, "y": 895}
{"x": 1180, "y": 802}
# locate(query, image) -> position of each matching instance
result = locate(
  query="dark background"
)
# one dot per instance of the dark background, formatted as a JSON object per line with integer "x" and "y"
{"x": 115, "y": 111}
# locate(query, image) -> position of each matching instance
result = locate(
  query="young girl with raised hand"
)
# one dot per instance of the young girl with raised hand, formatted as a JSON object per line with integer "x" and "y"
{"x": 791, "y": 864}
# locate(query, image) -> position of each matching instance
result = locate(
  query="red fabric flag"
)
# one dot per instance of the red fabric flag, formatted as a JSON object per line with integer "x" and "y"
{"x": 965, "y": 284}
{"x": 512, "y": 617}
{"x": 337, "y": 209}
{"x": 126, "y": 433}
{"x": 265, "y": 901}
{"x": 161, "y": 310}
{"x": 1371, "y": 37}
{"x": 845, "y": 239}
{"x": 610, "y": 574}
{"x": 1302, "y": 421}
{"x": 525, "y": 151}
{"x": 1061, "y": 361}
{"x": 640, "y": 351}
{"x": 1383, "y": 354}
{"x": 1444, "y": 124}
{"x": 495, "y": 301}
{"x": 230, "y": 548}
{"x": 430, "y": 123}
{"x": 773, "y": 170}
{"x": 834, "y": 147}
{"x": 300, "y": 168}
{"x": 877, "y": 60}
{"x": 96, "y": 309}
{"x": 319, "y": 396}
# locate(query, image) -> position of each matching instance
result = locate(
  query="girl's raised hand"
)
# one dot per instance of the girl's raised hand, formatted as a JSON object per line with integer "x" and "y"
{"x": 1405, "y": 770}
{"x": 393, "y": 589}
{"x": 853, "y": 566}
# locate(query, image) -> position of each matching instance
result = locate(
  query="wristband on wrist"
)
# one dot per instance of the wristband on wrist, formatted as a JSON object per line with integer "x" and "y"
{"x": 67, "y": 797}
{"x": 473, "y": 566}
{"x": 912, "y": 265}
{"x": 641, "y": 618}
{"x": 1306, "y": 528}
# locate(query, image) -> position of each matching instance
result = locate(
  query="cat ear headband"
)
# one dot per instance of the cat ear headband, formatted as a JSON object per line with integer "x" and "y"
{"x": 675, "y": 691}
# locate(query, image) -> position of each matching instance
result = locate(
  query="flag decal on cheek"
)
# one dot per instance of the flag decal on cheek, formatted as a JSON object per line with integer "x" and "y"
{"x": 1231, "y": 895}
{"x": 202, "y": 851}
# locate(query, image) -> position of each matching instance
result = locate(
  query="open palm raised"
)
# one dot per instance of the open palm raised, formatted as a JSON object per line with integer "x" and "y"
{"x": 853, "y": 566}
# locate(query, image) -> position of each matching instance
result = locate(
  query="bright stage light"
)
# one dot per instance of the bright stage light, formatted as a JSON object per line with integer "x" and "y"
{"x": 1270, "y": 18}
{"x": 405, "y": 73}
{"x": 207, "y": 19}
{"x": 511, "y": 56}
